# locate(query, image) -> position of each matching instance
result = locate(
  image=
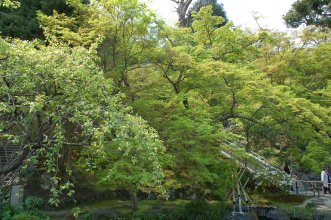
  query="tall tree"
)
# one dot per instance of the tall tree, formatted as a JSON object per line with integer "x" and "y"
{"x": 217, "y": 8}
{"x": 124, "y": 33}
{"x": 22, "y": 22}
{"x": 309, "y": 12}
{"x": 57, "y": 106}
{"x": 182, "y": 8}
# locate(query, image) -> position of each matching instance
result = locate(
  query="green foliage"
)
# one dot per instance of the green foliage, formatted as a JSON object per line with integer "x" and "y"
{"x": 73, "y": 104}
{"x": 217, "y": 8}
{"x": 202, "y": 210}
{"x": 198, "y": 209}
{"x": 76, "y": 212}
{"x": 305, "y": 213}
{"x": 59, "y": 87}
{"x": 190, "y": 137}
{"x": 70, "y": 29}
{"x": 9, "y": 214}
{"x": 205, "y": 24}
{"x": 25, "y": 216}
{"x": 122, "y": 33}
{"x": 269, "y": 152}
{"x": 316, "y": 156}
{"x": 309, "y": 12}
{"x": 33, "y": 203}
{"x": 9, "y": 3}
{"x": 21, "y": 22}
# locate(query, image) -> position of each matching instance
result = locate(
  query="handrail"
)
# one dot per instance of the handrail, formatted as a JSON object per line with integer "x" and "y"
{"x": 259, "y": 162}
{"x": 313, "y": 187}
{"x": 310, "y": 181}
{"x": 240, "y": 162}
{"x": 259, "y": 158}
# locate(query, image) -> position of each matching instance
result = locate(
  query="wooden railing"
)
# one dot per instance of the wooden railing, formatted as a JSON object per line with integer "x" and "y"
{"x": 253, "y": 159}
{"x": 300, "y": 187}
{"x": 240, "y": 162}
{"x": 308, "y": 188}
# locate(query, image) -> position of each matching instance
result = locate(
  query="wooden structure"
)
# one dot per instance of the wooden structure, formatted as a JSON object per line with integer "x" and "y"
{"x": 238, "y": 194}
{"x": 300, "y": 187}
{"x": 308, "y": 188}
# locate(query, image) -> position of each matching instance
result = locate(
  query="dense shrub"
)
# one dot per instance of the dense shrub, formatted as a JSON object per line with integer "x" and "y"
{"x": 195, "y": 210}
{"x": 271, "y": 180}
{"x": 25, "y": 216}
{"x": 33, "y": 203}
{"x": 31, "y": 210}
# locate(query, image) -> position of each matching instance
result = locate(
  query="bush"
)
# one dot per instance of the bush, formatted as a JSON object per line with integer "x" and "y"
{"x": 271, "y": 180}
{"x": 14, "y": 214}
{"x": 269, "y": 152}
{"x": 33, "y": 203}
{"x": 7, "y": 213}
{"x": 195, "y": 210}
{"x": 201, "y": 209}
{"x": 25, "y": 216}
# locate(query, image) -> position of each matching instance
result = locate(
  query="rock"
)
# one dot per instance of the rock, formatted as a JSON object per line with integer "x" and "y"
{"x": 322, "y": 216}
{"x": 277, "y": 215}
{"x": 252, "y": 216}
{"x": 153, "y": 212}
{"x": 244, "y": 216}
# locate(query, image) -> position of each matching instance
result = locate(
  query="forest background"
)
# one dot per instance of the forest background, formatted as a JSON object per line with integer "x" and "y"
{"x": 106, "y": 89}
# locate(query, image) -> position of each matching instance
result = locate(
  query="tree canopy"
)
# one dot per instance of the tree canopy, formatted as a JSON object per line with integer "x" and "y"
{"x": 309, "y": 12}
{"x": 56, "y": 103}
{"x": 21, "y": 22}
{"x": 115, "y": 93}
{"x": 217, "y": 8}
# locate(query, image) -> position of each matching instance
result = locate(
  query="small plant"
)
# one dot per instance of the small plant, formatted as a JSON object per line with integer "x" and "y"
{"x": 76, "y": 211}
{"x": 33, "y": 203}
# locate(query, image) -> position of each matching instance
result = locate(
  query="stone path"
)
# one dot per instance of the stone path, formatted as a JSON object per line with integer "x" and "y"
{"x": 322, "y": 203}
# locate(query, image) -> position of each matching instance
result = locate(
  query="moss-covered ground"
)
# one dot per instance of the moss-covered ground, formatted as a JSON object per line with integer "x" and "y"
{"x": 286, "y": 202}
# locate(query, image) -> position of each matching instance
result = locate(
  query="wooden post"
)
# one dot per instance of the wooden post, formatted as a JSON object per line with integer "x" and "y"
{"x": 239, "y": 199}
{"x": 323, "y": 190}
{"x": 233, "y": 191}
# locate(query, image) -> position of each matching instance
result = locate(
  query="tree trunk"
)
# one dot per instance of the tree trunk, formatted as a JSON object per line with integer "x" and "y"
{"x": 182, "y": 19}
{"x": 134, "y": 201}
{"x": 182, "y": 7}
